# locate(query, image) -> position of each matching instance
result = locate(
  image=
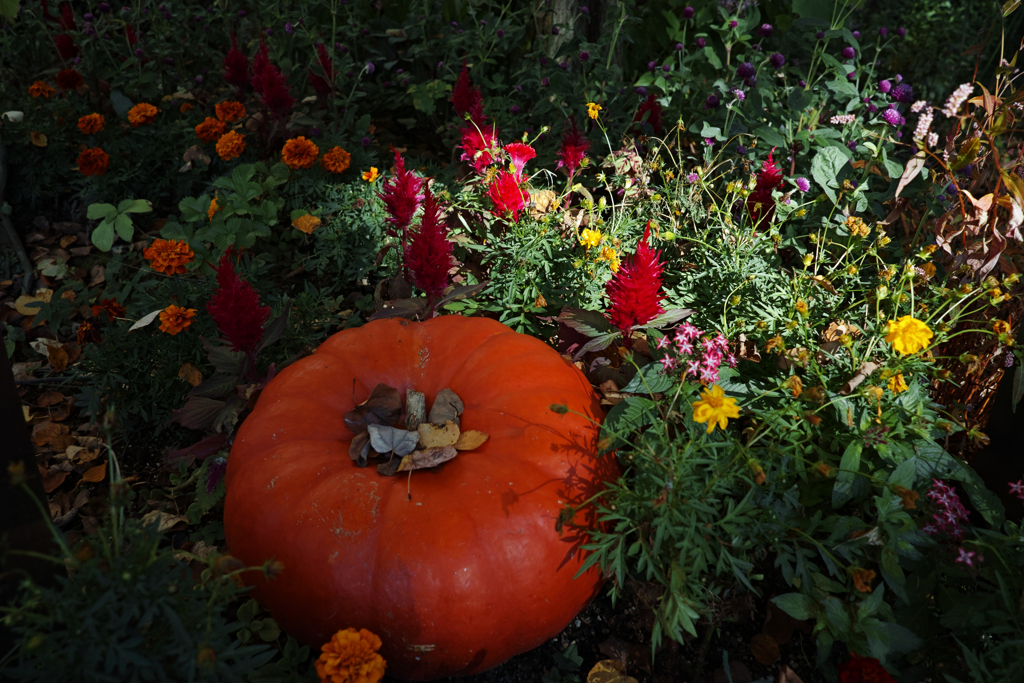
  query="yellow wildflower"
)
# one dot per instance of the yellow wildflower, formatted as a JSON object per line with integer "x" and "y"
{"x": 897, "y": 384}
{"x": 593, "y": 109}
{"x": 908, "y": 335}
{"x": 714, "y": 407}
{"x": 590, "y": 238}
{"x": 371, "y": 175}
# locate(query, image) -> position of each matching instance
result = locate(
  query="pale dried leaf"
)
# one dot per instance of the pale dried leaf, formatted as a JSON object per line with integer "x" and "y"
{"x": 433, "y": 436}
{"x": 385, "y": 439}
{"x": 145, "y": 320}
{"x": 425, "y": 459}
{"x": 764, "y": 648}
{"x": 609, "y": 671}
{"x": 863, "y": 372}
{"x": 164, "y": 520}
{"x": 447, "y": 406}
{"x": 471, "y": 440}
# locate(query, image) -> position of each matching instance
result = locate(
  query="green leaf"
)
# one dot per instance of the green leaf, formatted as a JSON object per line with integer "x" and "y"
{"x": 120, "y": 103}
{"x": 137, "y": 206}
{"x": 103, "y": 236}
{"x": 98, "y": 211}
{"x": 848, "y": 466}
{"x": 820, "y": 9}
{"x": 9, "y": 8}
{"x": 904, "y": 474}
{"x": 589, "y": 323}
{"x": 124, "y": 227}
{"x": 624, "y": 418}
{"x": 825, "y": 168}
{"x": 892, "y": 572}
{"x": 771, "y": 136}
{"x": 836, "y": 614}
{"x": 650, "y": 379}
{"x": 709, "y": 131}
{"x": 248, "y": 611}
{"x": 712, "y": 57}
{"x": 796, "y": 605}
{"x": 841, "y": 86}
{"x": 799, "y": 100}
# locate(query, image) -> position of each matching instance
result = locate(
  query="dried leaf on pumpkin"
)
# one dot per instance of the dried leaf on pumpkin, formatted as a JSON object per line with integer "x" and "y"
{"x": 438, "y": 436}
{"x": 383, "y": 407}
{"x": 425, "y": 459}
{"x": 385, "y": 439}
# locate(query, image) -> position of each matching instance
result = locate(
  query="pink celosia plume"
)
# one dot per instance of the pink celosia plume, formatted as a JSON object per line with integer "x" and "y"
{"x": 477, "y": 145}
{"x": 634, "y": 292}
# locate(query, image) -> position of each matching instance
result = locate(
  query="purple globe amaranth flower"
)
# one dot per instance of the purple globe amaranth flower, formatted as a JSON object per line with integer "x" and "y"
{"x": 819, "y": 35}
{"x": 241, "y": 14}
{"x": 849, "y": 52}
{"x": 554, "y": 30}
{"x": 745, "y": 70}
{"x": 288, "y": 28}
{"x": 641, "y": 91}
{"x": 872, "y": 108}
{"x": 687, "y": 12}
{"x": 651, "y": 66}
{"x": 802, "y": 83}
{"x": 483, "y": 22}
{"x": 666, "y": 68}
{"x": 712, "y": 101}
{"x": 740, "y": 149}
{"x": 585, "y": 9}
{"x": 139, "y": 53}
{"x": 88, "y": 16}
{"x": 777, "y": 60}
{"x": 455, "y": 24}
{"x": 733, "y": 23}
{"x": 564, "y": 66}
{"x": 766, "y": 30}
{"x": 679, "y": 47}
{"x": 169, "y": 61}
{"x": 584, "y": 56}
{"x": 315, "y": 132}
{"x": 701, "y": 42}
{"x": 856, "y": 35}
{"x": 739, "y": 94}
{"x": 103, "y": 7}
{"x": 370, "y": 68}
{"x": 852, "y": 76}
{"x": 750, "y": 82}
{"x": 514, "y": 109}
{"x": 545, "y": 81}
{"x": 892, "y": 117}
{"x": 543, "y": 61}
{"x": 365, "y": 142}
{"x": 269, "y": 32}
{"x": 803, "y": 184}
{"x": 883, "y": 32}
{"x": 903, "y": 93}
{"x": 500, "y": 33}
{"x": 901, "y": 32}
{"x": 852, "y": 144}
{"x": 884, "y": 86}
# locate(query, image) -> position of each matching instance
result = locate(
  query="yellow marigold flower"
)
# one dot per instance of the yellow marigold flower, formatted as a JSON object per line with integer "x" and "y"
{"x": 142, "y": 113}
{"x": 337, "y": 160}
{"x": 210, "y": 129}
{"x": 593, "y": 109}
{"x": 607, "y": 254}
{"x": 299, "y": 153}
{"x": 590, "y": 238}
{"x": 306, "y": 223}
{"x": 614, "y": 264}
{"x": 801, "y": 307}
{"x": 92, "y": 123}
{"x": 41, "y": 89}
{"x": 1000, "y": 327}
{"x": 213, "y": 208}
{"x": 908, "y": 335}
{"x": 169, "y": 256}
{"x": 230, "y": 111}
{"x": 231, "y": 145}
{"x": 175, "y": 319}
{"x": 862, "y": 579}
{"x": 897, "y": 384}
{"x": 351, "y": 657}
{"x": 714, "y": 407}
{"x": 371, "y": 175}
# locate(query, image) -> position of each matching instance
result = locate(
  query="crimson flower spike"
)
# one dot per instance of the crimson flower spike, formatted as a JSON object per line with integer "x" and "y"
{"x": 573, "y": 148}
{"x": 635, "y": 290}
{"x": 235, "y": 308}
{"x": 429, "y": 254}
{"x": 467, "y": 99}
{"x": 322, "y": 84}
{"x": 236, "y": 66}
{"x": 271, "y": 84}
{"x": 401, "y": 196}
{"x": 760, "y": 204}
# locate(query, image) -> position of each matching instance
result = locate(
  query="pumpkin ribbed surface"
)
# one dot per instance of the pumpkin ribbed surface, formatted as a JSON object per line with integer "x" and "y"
{"x": 469, "y": 572}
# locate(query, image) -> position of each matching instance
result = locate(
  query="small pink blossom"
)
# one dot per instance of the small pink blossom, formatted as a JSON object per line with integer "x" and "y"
{"x": 968, "y": 557}
{"x": 684, "y": 346}
{"x": 709, "y": 375}
{"x": 693, "y": 367}
{"x": 688, "y": 332}
{"x": 731, "y": 360}
{"x": 1017, "y": 488}
{"x": 668, "y": 363}
{"x": 662, "y": 343}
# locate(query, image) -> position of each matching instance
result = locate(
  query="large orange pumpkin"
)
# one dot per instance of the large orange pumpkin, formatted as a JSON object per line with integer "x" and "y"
{"x": 471, "y": 570}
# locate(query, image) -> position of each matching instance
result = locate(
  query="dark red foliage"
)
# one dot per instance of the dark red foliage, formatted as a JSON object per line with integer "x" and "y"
{"x": 649, "y": 111}
{"x": 236, "y": 66}
{"x": 863, "y": 670}
{"x": 401, "y": 196}
{"x": 635, "y": 291}
{"x": 507, "y": 195}
{"x": 467, "y": 99}
{"x": 235, "y": 308}
{"x": 429, "y": 255}
{"x": 760, "y": 204}
{"x": 271, "y": 84}
{"x": 573, "y": 149}
{"x": 477, "y": 144}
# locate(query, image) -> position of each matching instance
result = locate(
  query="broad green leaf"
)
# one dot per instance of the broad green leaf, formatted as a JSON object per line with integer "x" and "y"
{"x": 98, "y": 211}
{"x": 903, "y": 475}
{"x": 796, "y": 605}
{"x": 124, "y": 227}
{"x": 771, "y": 136}
{"x": 9, "y": 8}
{"x": 120, "y": 103}
{"x": 712, "y": 57}
{"x": 820, "y": 9}
{"x": 841, "y": 86}
{"x": 137, "y": 206}
{"x": 103, "y": 236}
{"x": 798, "y": 100}
{"x": 709, "y": 131}
{"x": 825, "y": 168}
{"x": 649, "y": 379}
{"x": 848, "y": 466}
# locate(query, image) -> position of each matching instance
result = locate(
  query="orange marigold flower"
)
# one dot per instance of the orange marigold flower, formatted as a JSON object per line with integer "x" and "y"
{"x": 41, "y": 89}
{"x": 351, "y": 657}
{"x": 175, "y": 319}
{"x": 169, "y": 256}
{"x": 185, "y": 107}
{"x": 306, "y": 223}
{"x": 93, "y": 161}
{"x": 862, "y": 579}
{"x": 92, "y": 123}
{"x": 142, "y": 113}
{"x": 213, "y": 209}
{"x": 211, "y": 129}
{"x": 230, "y": 111}
{"x": 69, "y": 79}
{"x": 299, "y": 153}
{"x": 371, "y": 175}
{"x": 231, "y": 145}
{"x": 337, "y": 160}
{"x": 112, "y": 308}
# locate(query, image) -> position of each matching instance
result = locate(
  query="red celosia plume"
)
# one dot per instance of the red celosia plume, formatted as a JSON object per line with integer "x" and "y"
{"x": 573, "y": 148}
{"x": 520, "y": 153}
{"x": 271, "y": 84}
{"x": 507, "y": 195}
{"x": 635, "y": 291}
{"x": 235, "y": 308}
{"x": 649, "y": 111}
{"x": 236, "y": 66}
{"x": 466, "y": 98}
{"x": 401, "y": 196}
{"x": 429, "y": 254}
{"x": 322, "y": 84}
{"x": 477, "y": 144}
{"x": 760, "y": 204}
